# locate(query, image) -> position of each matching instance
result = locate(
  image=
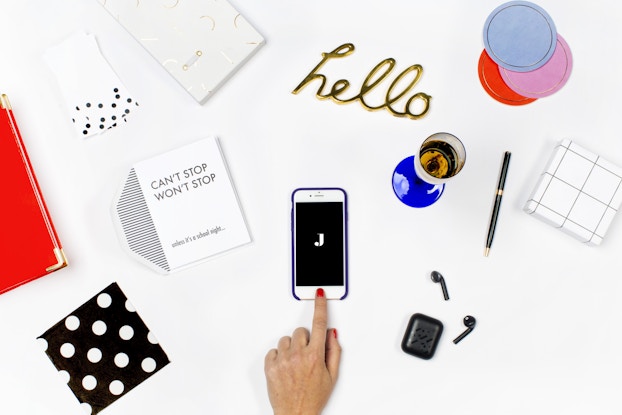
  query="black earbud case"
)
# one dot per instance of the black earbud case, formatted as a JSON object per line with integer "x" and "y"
{"x": 422, "y": 336}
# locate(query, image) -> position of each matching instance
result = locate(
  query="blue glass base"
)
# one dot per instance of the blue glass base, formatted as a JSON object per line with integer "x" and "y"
{"x": 410, "y": 189}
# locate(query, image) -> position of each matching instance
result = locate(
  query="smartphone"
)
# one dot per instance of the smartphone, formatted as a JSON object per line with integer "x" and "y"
{"x": 319, "y": 243}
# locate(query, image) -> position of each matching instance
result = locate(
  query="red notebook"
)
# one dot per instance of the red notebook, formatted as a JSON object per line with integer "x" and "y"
{"x": 29, "y": 246}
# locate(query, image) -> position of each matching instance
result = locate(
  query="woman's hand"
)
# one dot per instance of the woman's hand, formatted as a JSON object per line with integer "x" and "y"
{"x": 301, "y": 372}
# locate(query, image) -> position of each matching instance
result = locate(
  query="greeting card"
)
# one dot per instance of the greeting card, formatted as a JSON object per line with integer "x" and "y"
{"x": 180, "y": 208}
{"x": 94, "y": 95}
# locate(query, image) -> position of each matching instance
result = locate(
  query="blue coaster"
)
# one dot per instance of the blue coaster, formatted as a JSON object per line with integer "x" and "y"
{"x": 520, "y": 36}
{"x": 410, "y": 189}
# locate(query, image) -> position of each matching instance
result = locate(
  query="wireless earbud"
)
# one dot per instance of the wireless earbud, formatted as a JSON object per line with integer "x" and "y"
{"x": 469, "y": 322}
{"x": 437, "y": 277}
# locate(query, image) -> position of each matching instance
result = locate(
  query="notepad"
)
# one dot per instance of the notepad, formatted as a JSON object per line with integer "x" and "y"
{"x": 579, "y": 193}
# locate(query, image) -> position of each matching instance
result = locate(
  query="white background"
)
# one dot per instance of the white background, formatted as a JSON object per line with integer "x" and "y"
{"x": 547, "y": 338}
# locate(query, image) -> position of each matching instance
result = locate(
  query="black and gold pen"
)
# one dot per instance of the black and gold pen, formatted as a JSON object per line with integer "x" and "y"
{"x": 497, "y": 205}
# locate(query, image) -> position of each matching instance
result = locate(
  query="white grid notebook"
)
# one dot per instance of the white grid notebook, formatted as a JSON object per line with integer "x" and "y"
{"x": 579, "y": 193}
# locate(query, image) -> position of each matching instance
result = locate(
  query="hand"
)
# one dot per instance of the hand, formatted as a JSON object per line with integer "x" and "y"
{"x": 302, "y": 371}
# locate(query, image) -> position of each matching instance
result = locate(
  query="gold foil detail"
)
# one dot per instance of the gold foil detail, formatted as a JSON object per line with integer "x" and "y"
{"x": 166, "y": 62}
{"x": 373, "y": 79}
{"x": 4, "y": 101}
{"x": 173, "y": 6}
{"x": 192, "y": 60}
{"x": 211, "y": 18}
{"x": 227, "y": 57}
{"x": 61, "y": 260}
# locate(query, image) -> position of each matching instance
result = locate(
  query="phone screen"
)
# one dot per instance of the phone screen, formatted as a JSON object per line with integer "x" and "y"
{"x": 319, "y": 244}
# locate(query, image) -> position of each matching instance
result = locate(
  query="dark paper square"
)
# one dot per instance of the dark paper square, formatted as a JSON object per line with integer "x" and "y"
{"x": 105, "y": 348}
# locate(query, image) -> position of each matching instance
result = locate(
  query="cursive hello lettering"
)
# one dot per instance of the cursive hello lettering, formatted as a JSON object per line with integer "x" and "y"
{"x": 373, "y": 79}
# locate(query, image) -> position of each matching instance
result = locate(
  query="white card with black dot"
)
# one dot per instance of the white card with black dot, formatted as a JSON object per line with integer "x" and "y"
{"x": 103, "y": 349}
{"x": 94, "y": 95}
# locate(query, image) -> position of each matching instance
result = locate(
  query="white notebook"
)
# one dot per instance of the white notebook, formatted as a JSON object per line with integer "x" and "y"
{"x": 200, "y": 42}
{"x": 180, "y": 208}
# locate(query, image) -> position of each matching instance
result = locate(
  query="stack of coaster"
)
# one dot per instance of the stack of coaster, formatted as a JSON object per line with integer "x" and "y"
{"x": 524, "y": 57}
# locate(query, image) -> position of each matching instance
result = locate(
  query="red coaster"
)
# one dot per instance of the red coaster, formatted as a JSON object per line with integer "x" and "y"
{"x": 493, "y": 83}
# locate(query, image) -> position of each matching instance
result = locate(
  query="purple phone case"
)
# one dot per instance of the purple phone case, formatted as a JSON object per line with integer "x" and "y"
{"x": 345, "y": 207}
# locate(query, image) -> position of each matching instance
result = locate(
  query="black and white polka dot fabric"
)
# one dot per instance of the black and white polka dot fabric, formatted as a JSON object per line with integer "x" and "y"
{"x": 104, "y": 349}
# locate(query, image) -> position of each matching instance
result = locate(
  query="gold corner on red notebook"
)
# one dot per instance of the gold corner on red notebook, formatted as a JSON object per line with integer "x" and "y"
{"x": 4, "y": 101}
{"x": 61, "y": 260}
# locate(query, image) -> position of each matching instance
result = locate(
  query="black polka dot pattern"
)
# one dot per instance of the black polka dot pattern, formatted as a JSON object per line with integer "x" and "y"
{"x": 117, "y": 105}
{"x": 105, "y": 348}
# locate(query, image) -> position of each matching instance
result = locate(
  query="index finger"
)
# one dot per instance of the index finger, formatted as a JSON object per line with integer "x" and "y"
{"x": 320, "y": 321}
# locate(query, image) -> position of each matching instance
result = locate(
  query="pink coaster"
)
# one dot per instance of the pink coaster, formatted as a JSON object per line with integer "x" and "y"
{"x": 545, "y": 80}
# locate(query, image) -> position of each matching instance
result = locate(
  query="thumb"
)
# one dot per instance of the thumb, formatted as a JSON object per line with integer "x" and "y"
{"x": 333, "y": 354}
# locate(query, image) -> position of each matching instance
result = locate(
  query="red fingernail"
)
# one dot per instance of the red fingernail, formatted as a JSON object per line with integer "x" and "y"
{"x": 320, "y": 292}
{"x": 335, "y": 333}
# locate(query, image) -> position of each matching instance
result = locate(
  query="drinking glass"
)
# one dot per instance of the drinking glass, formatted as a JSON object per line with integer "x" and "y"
{"x": 419, "y": 180}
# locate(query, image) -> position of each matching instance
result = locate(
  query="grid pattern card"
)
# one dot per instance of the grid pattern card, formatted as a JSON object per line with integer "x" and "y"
{"x": 579, "y": 193}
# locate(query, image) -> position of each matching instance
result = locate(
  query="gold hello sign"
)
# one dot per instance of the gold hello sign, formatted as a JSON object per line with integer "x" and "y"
{"x": 395, "y": 92}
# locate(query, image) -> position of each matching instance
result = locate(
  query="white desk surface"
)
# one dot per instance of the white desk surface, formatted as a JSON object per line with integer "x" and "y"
{"x": 548, "y": 308}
